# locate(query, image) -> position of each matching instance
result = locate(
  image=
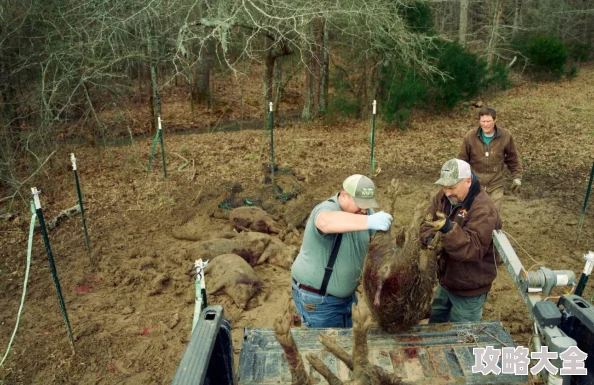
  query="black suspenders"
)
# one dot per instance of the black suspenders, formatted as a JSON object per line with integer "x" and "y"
{"x": 331, "y": 261}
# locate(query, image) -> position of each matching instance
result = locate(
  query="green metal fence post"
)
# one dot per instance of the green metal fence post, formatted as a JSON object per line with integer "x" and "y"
{"x": 585, "y": 203}
{"x": 148, "y": 170}
{"x": 162, "y": 147}
{"x": 579, "y": 290}
{"x": 373, "y": 138}
{"x": 50, "y": 257}
{"x": 80, "y": 202}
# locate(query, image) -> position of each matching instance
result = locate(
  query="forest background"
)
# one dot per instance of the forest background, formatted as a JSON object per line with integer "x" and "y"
{"x": 95, "y": 70}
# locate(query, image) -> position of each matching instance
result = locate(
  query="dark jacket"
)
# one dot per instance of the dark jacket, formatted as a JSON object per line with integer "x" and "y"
{"x": 467, "y": 265}
{"x": 501, "y": 151}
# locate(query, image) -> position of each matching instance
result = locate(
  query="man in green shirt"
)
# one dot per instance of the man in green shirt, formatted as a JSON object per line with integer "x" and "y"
{"x": 324, "y": 292}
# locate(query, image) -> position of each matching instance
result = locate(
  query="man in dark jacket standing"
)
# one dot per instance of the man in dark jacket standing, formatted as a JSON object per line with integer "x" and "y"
{"x": 488, "y": 149}
{"x": 466, "y": 217}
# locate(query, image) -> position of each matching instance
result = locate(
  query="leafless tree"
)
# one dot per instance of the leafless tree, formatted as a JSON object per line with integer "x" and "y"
{"x": 62, "y": 63}
{"x": 463, "y": 29}
{"x": 298, "y": 27}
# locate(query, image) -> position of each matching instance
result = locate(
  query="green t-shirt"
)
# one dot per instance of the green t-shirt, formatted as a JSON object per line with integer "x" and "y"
{"x": 487, "y": 139}
{"x": 310, "y": 264}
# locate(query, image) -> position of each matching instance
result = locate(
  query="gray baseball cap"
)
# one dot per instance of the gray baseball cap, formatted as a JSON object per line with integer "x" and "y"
{"x": 362, "y": 189}
{"x": 453, "y": 171}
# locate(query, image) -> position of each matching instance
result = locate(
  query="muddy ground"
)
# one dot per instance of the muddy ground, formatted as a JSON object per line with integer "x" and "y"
{"x": 131, "y": 302}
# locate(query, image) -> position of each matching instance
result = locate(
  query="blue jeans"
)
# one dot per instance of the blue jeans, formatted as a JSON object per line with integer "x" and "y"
{"x": 449, "y": 307}
{"x": 326, "y": 311}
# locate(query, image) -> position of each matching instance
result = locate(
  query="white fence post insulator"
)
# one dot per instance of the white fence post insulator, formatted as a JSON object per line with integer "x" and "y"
{"x": 73, "y": 160}
{"x": 35, "y": 194}
{"x": 270, "y": 106}
{"x": 159, "y": 122}
{"x": 201, "y": 301}
{"x": 589, "y": 262}
{"x": 374, "y": 107}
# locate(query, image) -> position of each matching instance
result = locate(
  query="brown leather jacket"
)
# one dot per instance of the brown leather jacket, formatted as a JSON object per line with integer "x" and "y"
{"x": 487, "y": 163}
{"x": 467, "y": 264}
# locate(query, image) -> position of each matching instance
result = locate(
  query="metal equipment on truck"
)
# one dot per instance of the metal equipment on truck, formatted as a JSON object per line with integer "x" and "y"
{"x": 568, "y": 322}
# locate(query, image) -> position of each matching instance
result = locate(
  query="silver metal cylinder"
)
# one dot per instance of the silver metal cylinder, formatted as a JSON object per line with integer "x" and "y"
{"x": 546, "y": 279}
{"x": 536, "y": 278}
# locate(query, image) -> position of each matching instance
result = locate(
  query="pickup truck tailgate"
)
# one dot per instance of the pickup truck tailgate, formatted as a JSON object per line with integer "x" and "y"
{"x": 427, "y": 354}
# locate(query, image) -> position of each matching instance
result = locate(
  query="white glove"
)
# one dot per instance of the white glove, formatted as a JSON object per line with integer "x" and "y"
{"x": 379, "y": 221}
{"x": 515, "y": 186}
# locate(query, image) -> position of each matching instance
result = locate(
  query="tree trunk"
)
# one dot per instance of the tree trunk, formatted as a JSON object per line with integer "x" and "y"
{"x": 494, "y": 32}
{"x": 201, "y": 88}
{"x": 586, "y": 34}
{"x": 9, "y": 97}
{"x": 517, "y": 10}
{"x": 463, "y": 27}
{"x": 313, "y": 59}
{"x": 191, "y": 92}
{"x": 155, "y": 101}
{"x": 362, "y": 94}
{"x": 374, "y": 80}
{"x": 318, "y": 49}
{"x": 272, "y": 77}
{"x": 268, "y": 73}
{"x": 325, "y": 70}
{"x": 308, "y": 111}
{"x": 140, "y": 75}
{"x": 444, "y": 11}
{"x": 278, "y": 84}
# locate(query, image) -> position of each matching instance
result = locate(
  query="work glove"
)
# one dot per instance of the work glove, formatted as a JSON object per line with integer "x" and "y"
{"x": 515, "y": 186}
{"x": 442, "y": 224}
{"x": 379, "y": 221}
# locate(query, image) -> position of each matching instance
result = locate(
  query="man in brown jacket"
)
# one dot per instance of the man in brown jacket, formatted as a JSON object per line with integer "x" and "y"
{"x": 466, "y": 217}
{"x": 488, "y": 148}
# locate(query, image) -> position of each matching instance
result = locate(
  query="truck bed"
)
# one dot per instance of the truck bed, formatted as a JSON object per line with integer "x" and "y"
{"x": 427, "y": 354}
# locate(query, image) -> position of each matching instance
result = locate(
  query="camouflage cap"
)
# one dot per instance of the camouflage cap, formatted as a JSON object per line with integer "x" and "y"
{"x": 453, "y": 171}
{"x": 362, "y": 189}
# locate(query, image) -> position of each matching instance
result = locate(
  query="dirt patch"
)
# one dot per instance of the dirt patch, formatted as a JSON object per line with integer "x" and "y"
{"x": 131, "y": 302}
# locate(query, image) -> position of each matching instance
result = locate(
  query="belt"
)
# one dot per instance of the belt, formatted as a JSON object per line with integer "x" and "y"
{"x": 307, "y": 288}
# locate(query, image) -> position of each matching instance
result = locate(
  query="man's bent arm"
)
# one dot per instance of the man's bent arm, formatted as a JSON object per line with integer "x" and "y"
{"x": 333, "y": 222}
{"x": 472, "y": 242}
